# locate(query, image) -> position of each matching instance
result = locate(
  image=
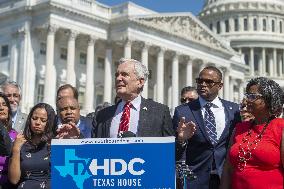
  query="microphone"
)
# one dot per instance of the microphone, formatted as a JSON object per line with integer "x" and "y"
{"x": 126, "y": 134}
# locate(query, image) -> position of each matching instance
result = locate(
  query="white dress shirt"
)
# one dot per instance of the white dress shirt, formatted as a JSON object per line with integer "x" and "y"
{"x": 218, "y": 111}
{"x": 134, "y": 117}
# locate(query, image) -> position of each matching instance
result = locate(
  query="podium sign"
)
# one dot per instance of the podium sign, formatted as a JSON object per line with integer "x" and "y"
{"x": 147, "y": 163}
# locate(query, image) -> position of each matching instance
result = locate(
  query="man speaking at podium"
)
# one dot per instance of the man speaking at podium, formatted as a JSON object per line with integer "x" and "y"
{"x": 133, "y": 113}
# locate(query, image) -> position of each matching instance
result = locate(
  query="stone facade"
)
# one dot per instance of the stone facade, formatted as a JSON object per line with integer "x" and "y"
{"x": 47, "y": 43}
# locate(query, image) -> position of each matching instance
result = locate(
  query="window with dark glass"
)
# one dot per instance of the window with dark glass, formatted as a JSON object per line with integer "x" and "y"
{"x": 4, "y": 50}
{"x": 254, "y": 24}
{"x": 211, "y": 26}
{"x": 236, "y": 23}
{"x": 63, "y": 53}
{"x": 42, "y": 49}
{"x": 280, "y": 27}
{"x": 218, "y": 27}
{"x": 227, "y": 25}
{"x": 83, "y": 58}
{"x": 264, "y": 25}
{"x": 273, "y": 25}
{"x": 245, "y": 24}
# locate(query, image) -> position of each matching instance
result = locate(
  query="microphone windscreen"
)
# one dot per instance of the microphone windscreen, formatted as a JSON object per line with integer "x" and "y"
{"x": 127, "y": 134}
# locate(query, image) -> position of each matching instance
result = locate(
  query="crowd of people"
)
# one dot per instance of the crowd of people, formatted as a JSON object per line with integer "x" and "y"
{"x": 225, "y": 144}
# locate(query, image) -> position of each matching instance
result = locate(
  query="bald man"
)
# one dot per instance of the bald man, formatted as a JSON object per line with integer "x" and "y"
{"x": 68, "y": 112}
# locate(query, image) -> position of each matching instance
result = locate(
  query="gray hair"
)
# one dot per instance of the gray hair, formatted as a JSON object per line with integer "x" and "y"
{"x": 13, "y": 83}
{"x": 140, "y": 70}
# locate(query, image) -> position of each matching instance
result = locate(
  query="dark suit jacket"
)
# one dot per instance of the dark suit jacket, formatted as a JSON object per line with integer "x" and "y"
{"x": 200, "y": 152}
{"x": 5, "y": 141}
{"x": 154, "y": 120}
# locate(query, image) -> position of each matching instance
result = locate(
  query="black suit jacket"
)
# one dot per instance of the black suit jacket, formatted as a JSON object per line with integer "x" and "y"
{"x": 200, "y": 152}
{"x": 154, "y": 120}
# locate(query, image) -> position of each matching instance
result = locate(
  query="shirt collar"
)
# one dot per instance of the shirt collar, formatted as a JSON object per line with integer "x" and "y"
{"x": 216, "y": 102}
{"x": 136, "y": 102}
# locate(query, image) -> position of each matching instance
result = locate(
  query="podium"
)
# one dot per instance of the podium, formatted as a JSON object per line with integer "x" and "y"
{"x": 147, "y": 163}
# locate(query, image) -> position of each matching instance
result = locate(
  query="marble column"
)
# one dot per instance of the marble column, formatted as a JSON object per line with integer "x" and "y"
{"x": 160, "y": 76}
{"x": 175, "y": 81}
{"x": 231, "y": 89}
{"x": 231, "y": 25}
{"x": 90, "y": 83}
{"x": 241, "y": 90}
{"x": 222, "y": 26}
{"x": 144, "y": 60}
{"x": 189, "y": 73}
{"x": 50, "y": 78}
{"x": 275, "y": 62}
{"x": 14, "y": 58}
{"x": 271, "y": 73}
{"x": 263, "y": 59}
{"x": 108, "y": 75}
{"x": 127, "y": 49}
{"x": 226, "y": 84}
{"x": 251, "y": 61}
{"x": 241, "y": 23}
{"x": 70, "y": 73}
{"x": 280, "y": 66}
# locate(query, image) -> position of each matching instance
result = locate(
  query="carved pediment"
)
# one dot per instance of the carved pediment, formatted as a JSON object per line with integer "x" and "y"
{"x": 185, "y": 27}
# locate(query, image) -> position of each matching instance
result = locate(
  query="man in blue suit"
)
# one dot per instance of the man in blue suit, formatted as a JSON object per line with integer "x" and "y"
{"x": 203, "y": 129}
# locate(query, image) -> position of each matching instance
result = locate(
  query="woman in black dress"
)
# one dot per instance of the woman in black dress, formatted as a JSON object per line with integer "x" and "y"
{"x": 30, "y": 162}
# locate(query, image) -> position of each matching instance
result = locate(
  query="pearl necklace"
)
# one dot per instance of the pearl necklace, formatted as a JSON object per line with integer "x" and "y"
{"x": 245, "y": 152}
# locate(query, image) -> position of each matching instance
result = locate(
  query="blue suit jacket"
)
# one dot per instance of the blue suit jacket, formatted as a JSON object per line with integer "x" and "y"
{"x": 200, "y": 152}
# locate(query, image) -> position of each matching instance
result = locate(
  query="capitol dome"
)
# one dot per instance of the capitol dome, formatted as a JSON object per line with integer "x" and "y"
{"x": 255, "y": 28}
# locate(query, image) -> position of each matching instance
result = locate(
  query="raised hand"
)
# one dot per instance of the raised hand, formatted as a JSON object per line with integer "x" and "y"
{"x": 18, "y": 143}
{"x": 185, "y": 130}
{"x": 69, "y": 130}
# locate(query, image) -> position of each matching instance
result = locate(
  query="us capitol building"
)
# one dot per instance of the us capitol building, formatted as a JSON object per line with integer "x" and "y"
{"x": 47, "y": 43}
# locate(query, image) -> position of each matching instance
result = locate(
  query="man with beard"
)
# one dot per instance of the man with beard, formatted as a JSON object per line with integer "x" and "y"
{"x": 13, "y": 92}
{"x": 203, "y": 129}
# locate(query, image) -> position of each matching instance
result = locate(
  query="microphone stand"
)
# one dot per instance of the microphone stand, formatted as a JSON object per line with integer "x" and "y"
{"x": 184, "y": 172}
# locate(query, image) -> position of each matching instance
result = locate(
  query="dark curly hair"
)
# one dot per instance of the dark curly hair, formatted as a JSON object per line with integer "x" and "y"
{"x": 271, "y": 92}
{"x": 8, "y": 125}
{"x": 49, "y": 128}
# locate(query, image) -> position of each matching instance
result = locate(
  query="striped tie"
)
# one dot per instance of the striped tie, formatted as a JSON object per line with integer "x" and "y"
{"x": 124, "y": 120}
{"x": 210, "y": 124}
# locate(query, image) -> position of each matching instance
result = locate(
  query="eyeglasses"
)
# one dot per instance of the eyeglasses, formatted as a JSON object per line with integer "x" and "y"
{"x": 207, "y": 82}
{"x": 252, "y": 96}
{"x": 186, "y": 100}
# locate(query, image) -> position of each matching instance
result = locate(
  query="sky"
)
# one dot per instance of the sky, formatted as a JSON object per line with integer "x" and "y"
{"x": 193, "y": 6}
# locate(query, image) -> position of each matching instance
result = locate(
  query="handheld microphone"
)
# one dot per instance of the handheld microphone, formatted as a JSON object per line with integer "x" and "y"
{"x": 126, "y": 134}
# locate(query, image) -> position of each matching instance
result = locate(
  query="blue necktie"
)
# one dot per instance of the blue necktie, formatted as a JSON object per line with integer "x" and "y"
{"x": 210, "y": 124}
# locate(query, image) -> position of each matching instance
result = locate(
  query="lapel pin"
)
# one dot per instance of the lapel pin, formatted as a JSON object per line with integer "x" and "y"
{"x": 230, "y": 108}
{"x": 145, "y": 108}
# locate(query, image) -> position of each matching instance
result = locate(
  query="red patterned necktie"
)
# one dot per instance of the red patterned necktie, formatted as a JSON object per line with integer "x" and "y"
{"x": 124, "y": 121}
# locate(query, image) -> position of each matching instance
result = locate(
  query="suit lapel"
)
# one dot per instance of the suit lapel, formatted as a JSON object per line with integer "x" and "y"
{"x": 142, "y": 116}
{"x": 227, "y": 110}
{"x": 196, "y": 110}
